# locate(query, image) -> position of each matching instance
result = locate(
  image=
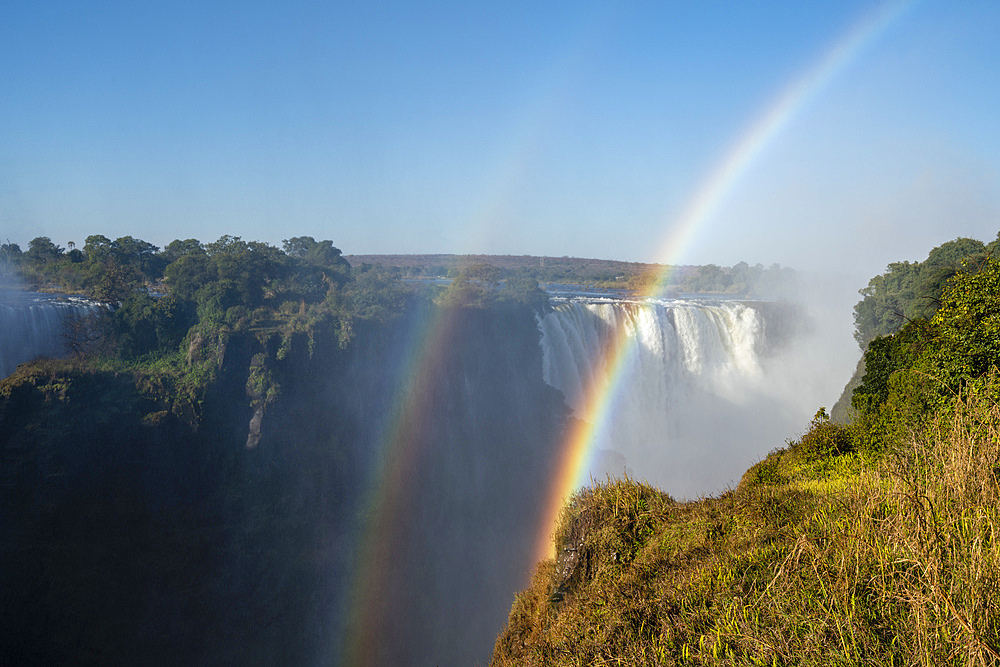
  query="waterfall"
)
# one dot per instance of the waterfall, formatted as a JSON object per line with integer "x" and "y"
{"x": 32, "y": 324}
{"x": 697, "y": 400}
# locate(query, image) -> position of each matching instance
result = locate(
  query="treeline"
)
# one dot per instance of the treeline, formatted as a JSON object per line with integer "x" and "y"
{"x": 949, "y": 348}
{"x": 742, "y": 279}
{"x": 112, "y": 270}
{"x": 925, "y": 365}
{"x": 563, "y": 270}
{"x": 158, "y": 295}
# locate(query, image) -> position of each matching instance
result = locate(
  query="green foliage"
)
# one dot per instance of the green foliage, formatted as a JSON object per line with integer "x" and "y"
{"x": 189, "y": 273}
{"x": 476, "y": 286}
{"x": 316, "y": 253}
{"x": 261, "y": 386}
{"x": 143, "y": 325}
{"x": 42, "y": 251}
{"x": 523, "y": 289}
{"x": 115, "y": 282}
{"x": 376, "y": 294}
{"x": 824, "y": 440}
{"x": 928, "y": 362}
{"x": 886, "y": 355}
{"x": 40, "y": 263}
{"x": 178, "y": 248}
{"x": 708, "y": 278}
{"x": 967, "y": 326}
{"x": 229, "y": 285}
{"x": 483, "y": 285}
{"x": 910, "y": 290}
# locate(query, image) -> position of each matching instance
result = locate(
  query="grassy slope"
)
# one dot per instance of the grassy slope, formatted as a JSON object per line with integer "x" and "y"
{"x": 821, "y": 557}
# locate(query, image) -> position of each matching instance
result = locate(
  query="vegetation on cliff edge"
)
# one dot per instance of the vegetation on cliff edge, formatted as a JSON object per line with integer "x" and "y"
{"x": 172, "y": 311}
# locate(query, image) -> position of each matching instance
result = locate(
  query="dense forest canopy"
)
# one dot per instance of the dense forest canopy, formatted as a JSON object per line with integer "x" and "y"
{"x": 932, "y": 360}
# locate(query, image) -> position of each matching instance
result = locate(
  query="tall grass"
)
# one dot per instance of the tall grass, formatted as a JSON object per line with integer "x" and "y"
{"x": 835, "y": 559}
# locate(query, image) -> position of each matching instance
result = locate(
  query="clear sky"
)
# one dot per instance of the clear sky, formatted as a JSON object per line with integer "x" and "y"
{"x": 579, "y": 128}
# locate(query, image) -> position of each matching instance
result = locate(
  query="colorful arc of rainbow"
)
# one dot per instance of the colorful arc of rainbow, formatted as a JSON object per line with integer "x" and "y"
{"x": 402, "y": 434}
{"x": 401, "y": 450}
{"x": 600, "y": 395}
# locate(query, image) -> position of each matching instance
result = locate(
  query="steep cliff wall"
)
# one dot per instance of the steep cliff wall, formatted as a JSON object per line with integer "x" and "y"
{"x": 143, "y": 529}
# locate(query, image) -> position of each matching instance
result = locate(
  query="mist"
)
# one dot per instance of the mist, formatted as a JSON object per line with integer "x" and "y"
{"x": 709, "y": 385}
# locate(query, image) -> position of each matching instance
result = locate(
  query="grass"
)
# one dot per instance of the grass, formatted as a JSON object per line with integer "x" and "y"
{"x": 822, "y": 556}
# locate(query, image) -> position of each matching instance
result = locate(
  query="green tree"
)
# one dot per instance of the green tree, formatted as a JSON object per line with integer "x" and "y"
{"x": 139, "y": 254}
{"x": 116, "y": 282}
{"x": 230, "y": 273}
{"x": 524, "y": 289}
{"x": 708, "y": 278}
{"x": 376, "y": 294}
{"x": 98, "y": 248}
{"x": 298, "y": 246}
{"x": 178, "y": 248}
{"x": 476, "y": 285}
{"x": 189, "y": 273}
{"x": 910, "y": 290}
{"x": 143, "y": 324}
{"x": 42, "y": 251}
{"x": 930, "y": 361}
{"x": 887, "y": 354}
{"x": 967, "y": 326}
{"x": 314, "y": 268}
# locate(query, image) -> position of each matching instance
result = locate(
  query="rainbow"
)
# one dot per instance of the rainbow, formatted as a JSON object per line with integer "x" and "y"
{"x": 404, "y": 430}
{"x": 600, "y": 395}
{"x": 403, "y": 440}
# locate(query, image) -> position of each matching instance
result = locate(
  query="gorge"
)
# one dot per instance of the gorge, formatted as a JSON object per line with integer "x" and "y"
{"x": 147, "y": 528}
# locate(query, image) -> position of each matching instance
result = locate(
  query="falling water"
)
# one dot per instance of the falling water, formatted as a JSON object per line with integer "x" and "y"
{"x": 696, "y": 403}
{"x": 32, "y": 325}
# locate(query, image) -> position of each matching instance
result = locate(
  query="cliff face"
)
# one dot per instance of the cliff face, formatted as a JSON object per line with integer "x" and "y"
{"x": 141, "y": 529}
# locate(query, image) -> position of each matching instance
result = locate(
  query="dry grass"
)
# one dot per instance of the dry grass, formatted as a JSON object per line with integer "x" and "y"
{"x": 829, "y": 561}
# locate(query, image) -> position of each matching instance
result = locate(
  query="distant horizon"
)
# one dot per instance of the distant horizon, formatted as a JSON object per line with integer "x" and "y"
{"x": 80, "y": 244}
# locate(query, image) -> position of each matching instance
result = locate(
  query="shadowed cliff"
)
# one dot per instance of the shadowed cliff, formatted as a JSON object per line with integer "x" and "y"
{"x": 145, "y": 527}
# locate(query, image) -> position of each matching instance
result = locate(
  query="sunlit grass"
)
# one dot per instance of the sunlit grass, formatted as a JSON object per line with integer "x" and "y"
{"x": 831, "y": 559}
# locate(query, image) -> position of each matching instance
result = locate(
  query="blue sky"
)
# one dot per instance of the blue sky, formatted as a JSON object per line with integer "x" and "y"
{"x": 576, "y": 129}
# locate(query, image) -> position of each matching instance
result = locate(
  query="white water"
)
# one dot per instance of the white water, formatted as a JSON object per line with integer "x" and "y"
{"x": 697, "y": 403}
{"x": 31, "y": 325}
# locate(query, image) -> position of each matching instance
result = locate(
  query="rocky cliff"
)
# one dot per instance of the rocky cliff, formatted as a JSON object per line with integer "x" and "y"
{"x": 143, "y": 524}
